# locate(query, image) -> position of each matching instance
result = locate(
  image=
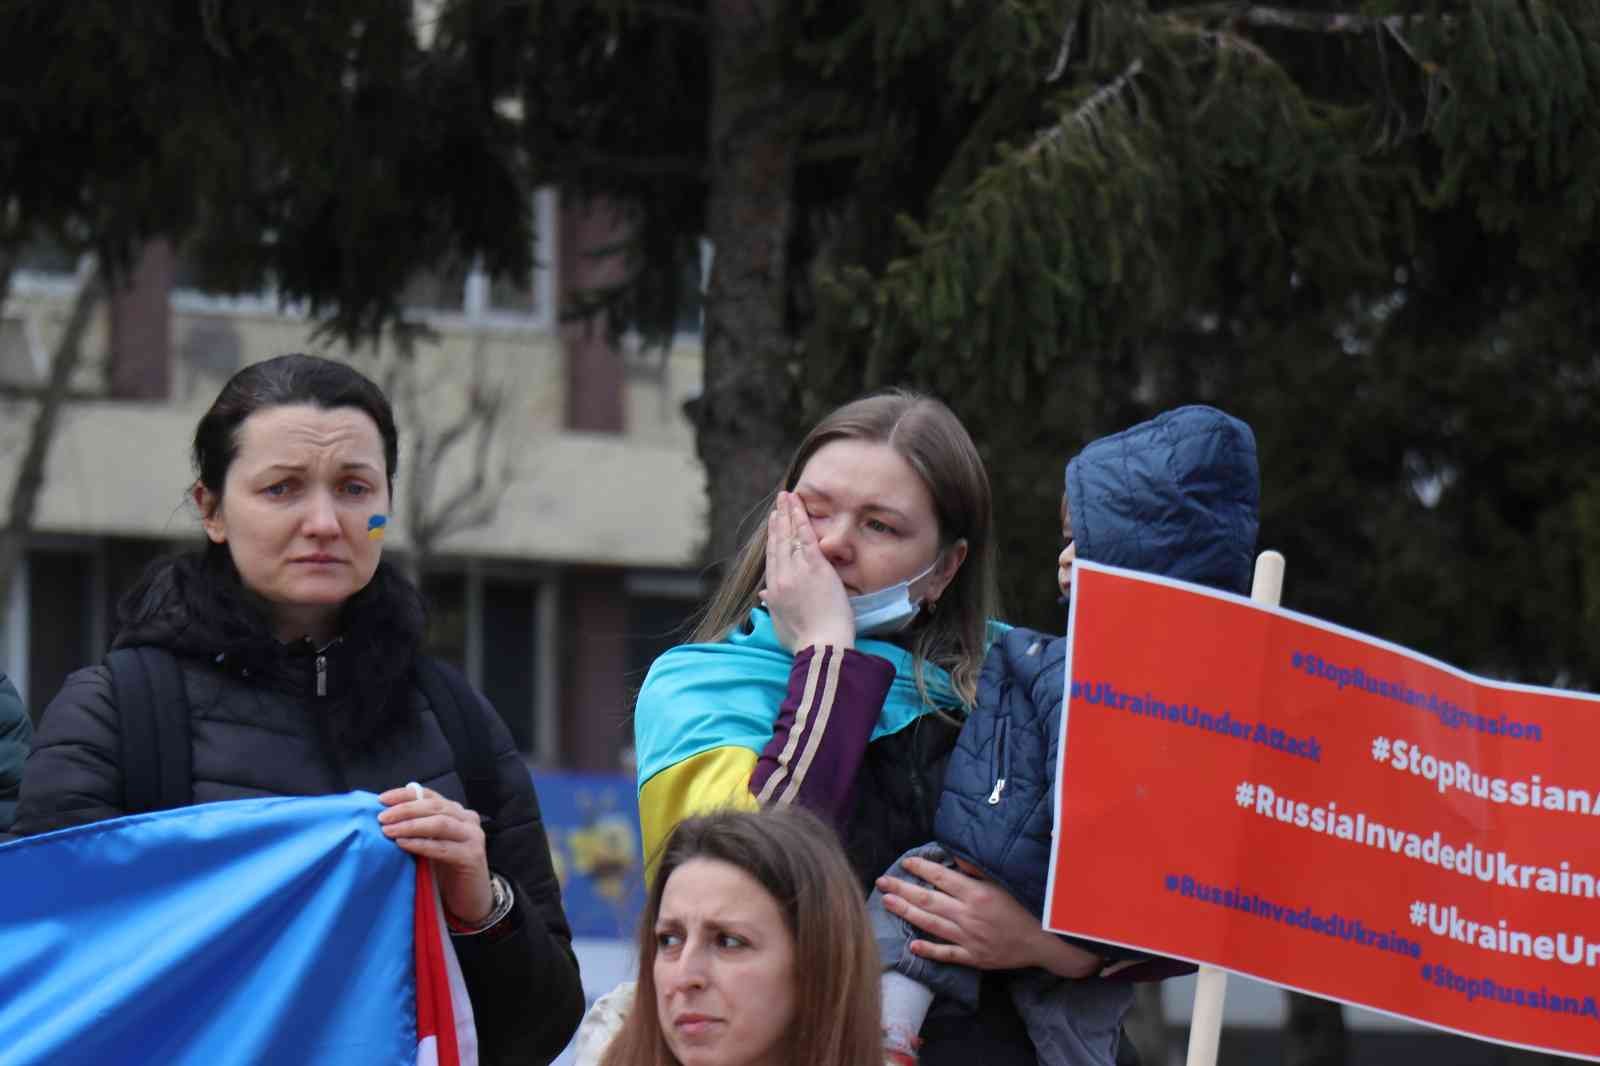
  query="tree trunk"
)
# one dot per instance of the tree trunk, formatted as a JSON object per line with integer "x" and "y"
{"x": 30, "y": 473}
{"x": 747, "y": 406}
{"x": 1314, "y": 1034}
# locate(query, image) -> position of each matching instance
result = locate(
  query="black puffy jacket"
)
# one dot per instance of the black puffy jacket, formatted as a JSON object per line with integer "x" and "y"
{"x": 16, "y": 735}
{"x": 259, "y": 729}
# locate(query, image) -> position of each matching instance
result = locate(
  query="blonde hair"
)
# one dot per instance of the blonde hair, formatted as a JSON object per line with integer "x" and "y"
{"x": 797, "y": 859}
{"x": 934, "y": 443}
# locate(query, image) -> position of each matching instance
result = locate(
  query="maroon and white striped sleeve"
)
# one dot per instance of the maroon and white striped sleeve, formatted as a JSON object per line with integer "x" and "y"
{"x": 834, "y": 698}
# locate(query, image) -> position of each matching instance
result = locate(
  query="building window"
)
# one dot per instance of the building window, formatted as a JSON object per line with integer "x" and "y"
{"x": 510, "y": 661}
{"x": 65, "y": 630}
{"x": 445, "y": 595}
{"x": 662, "y": 609}
{"x": 487, "y": 625}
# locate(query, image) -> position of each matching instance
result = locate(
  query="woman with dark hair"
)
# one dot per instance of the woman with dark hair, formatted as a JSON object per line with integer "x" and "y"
{"x": 832, "y": 670}
{"x": 754, "y": 950}
{"x": 298, "y": 650}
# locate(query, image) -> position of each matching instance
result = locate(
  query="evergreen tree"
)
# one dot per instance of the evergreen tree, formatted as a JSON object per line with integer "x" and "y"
{"x": 1368, "y": 228}
{"x": 320, "y": 147}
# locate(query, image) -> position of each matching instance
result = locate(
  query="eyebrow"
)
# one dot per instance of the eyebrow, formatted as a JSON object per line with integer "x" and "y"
{"x": 743, "y": 924}
{"x": 299, "y": 468}
{"x": 825, "y": 496}
{"x": 891, "y": 511}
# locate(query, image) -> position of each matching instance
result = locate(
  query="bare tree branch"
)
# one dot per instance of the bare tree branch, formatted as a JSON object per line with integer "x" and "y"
{"x": 30, "y": 473}
{"x": 476, "y": 499}
{"x": 447, "y": 438}
{"x": 484, "y": 409}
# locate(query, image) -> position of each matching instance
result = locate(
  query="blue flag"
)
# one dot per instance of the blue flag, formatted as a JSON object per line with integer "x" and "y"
{"x": 284, "y": 930}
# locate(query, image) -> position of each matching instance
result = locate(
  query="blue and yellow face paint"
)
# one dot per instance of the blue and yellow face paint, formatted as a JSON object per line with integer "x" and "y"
{"x": 375, "y": 526}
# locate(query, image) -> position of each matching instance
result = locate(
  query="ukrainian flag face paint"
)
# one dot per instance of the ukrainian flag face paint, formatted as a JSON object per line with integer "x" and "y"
{"x": 375, "y": 526}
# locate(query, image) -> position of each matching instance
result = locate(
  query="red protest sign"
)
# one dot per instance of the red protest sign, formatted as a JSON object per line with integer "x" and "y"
{"x": 1284, "y": 798}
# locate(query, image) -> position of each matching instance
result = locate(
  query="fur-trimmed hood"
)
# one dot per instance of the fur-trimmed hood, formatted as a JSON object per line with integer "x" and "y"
{"x": 194, "y": 605}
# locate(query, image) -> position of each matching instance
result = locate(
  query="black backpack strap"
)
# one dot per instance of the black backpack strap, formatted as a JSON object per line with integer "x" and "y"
{"x": 458, "y": 709}
{"x": 157, "y": 757}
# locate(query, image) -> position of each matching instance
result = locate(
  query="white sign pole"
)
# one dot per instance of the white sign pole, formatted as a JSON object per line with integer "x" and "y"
{"x": 1211, "y": 986}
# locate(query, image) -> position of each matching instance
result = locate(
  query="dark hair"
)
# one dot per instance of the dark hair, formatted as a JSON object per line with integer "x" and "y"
{"x": 797, "y": 859}
{"x": 934, "y": 443}
{"x": 195, "y": 603}
{"x": 281, "y": 382}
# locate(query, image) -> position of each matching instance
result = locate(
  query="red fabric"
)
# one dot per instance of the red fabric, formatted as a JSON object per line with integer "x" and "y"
{"x": 435, "y": 1014}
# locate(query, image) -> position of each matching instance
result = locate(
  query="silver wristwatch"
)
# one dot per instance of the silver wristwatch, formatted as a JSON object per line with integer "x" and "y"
{"x": 502, "y": 897}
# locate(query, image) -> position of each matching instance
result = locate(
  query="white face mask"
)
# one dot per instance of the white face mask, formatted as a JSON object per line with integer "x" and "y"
{"x": 888, "y": 610}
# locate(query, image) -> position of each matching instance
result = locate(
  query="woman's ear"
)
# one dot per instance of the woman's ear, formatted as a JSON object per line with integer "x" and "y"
{"x": 949, "y": 566}
{"x": 210, "y": 507}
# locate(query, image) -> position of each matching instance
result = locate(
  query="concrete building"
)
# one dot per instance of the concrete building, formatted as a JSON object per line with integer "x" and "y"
{"x": 579, "y": 569}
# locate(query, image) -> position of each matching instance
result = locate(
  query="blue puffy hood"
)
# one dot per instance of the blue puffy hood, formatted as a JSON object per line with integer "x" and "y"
{"x": 1176, "y": 496}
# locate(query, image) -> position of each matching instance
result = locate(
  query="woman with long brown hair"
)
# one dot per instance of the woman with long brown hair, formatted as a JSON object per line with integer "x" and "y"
{"x": 832, "y": 669}
{"x": 754, "y": 950}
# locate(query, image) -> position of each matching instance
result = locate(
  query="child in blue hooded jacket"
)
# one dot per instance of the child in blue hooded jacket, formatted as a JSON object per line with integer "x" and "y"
{"x": 1178, "y": 496}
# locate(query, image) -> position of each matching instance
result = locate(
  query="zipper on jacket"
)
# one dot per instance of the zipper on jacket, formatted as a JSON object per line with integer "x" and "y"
{"x": 1000, "y": 767}
{"x": 322, "y": 675}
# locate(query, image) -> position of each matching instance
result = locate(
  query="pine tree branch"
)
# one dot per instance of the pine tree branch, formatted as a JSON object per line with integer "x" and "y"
{"x": 1087, "y": 113}
{"x": 1394, "y": 32}
{"x": 668, "y": 13}
{"x": 826, "y": 149}
{"x": 1064, "y": 53}
{"x": 1278, "y": 18}
{"x": 679, "y": 166}
{"x": 819, "y": 151}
